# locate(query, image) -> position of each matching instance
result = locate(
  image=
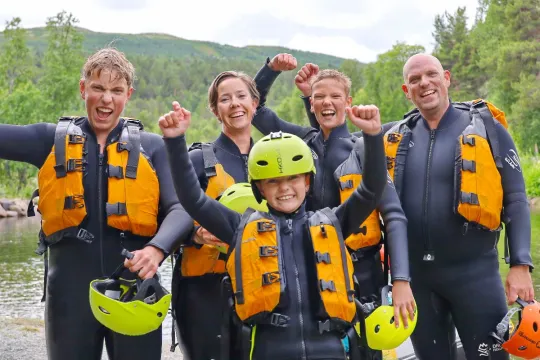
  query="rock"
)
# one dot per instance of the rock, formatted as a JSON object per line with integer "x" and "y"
{"x": 11, "y": 213}
{"x": 6, "y": 203}
{"x": 3, "y": 212}
{"x": 20, "y": 206}
{"x": 535, "y": 204}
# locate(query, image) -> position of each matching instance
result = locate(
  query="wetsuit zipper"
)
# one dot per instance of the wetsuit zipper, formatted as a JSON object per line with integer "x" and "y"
{"x": 100, "y": 205}
{"x": 428, "y": 251}
{"x": 323, "y": 167}
{"x": 245, "y": 157}
{"x": 298, "y": 293}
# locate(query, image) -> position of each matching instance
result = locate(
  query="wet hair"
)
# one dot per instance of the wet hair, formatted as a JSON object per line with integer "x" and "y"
{"x": 213, "y": 89}
{"x": 333, "y": 74}
{"x": 109, "y": 59}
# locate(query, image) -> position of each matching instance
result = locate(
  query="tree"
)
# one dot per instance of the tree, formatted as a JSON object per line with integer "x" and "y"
{"x": 62, "y": 64}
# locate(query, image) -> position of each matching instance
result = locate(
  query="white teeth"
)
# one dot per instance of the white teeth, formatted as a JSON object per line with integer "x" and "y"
{"x": 237, "y": 114}
{"x": 328, "y": 112}
{"x": 428, "y": 93}
{"x": 285, "y": 197}
{"x": 105, "y": 110}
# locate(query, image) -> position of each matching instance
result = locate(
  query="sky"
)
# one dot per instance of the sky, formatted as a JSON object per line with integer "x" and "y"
{"x": 355, "y": 29}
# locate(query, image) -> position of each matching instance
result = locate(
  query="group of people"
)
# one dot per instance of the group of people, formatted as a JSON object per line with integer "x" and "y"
{"x": 291, "y": 279}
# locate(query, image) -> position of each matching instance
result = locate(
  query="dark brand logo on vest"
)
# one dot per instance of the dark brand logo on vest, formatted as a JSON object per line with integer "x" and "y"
{"x": 279, "y": 161}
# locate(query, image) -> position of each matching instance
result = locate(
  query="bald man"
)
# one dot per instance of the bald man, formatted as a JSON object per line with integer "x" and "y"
{"x": 454, "y": 261}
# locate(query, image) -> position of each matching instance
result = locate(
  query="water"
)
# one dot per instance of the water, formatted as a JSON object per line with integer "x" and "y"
{"x": 21, "y": 278}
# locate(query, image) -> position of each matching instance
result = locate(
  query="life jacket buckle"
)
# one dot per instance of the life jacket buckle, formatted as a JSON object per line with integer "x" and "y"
{"x": 263, "y": 226}
{"x": 346, "y": 184}
{"x": 267, "y": 251}
{"x": 323, "y": 231}
{"x": 74, "y": 165}
{"x": 327, "y": 285}
{"x": 76, "y": 139}
{"x": 121, "y": 146}
{"x": 279, "y": 320}
{"x": 85, "y": 235}
{"x": 322, "y": 257}
{"x": 270, "y": 277}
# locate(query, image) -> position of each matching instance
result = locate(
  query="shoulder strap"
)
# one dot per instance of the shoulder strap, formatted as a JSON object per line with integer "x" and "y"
{"x": 209, "y": 159}
{"x": 60, "y": 145}
{"x": 131, "y": 135}
{"x": 482, "y": 109}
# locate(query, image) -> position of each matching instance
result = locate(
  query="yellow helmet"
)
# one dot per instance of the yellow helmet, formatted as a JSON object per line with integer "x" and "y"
{"x": 239, "y": 197}
{"x": 129, "y": 307}
{"x": 381, "y": 332}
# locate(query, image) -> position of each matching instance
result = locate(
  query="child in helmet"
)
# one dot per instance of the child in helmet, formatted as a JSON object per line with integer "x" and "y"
{"x": 290, "y": 271}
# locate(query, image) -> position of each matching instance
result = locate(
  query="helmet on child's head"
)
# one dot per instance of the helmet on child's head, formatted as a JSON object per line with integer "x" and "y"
{"x": 524, "y": 340}
{"x": 380, "y": 328}
{"x": 279, "y": 154}
{"x": 129, "y": 307}
{"x": 239, "y": 197}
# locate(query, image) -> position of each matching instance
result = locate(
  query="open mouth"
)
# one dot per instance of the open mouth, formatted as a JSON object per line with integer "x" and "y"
{"x": 237, "y": 114}
{"x": 103, "y": 113}
{"x": 285, "y": 197}
{"x": 327, "y": 114}
{"x": 427, "y": 93}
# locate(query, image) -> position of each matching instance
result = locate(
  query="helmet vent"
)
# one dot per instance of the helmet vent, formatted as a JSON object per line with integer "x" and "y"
{"x": 104, "y": 311}
{"x": 522, "y": 348}
{"x": 535, "y": 326}
{"x": 262, "y": 162}
{"x": 159, "y": 314}
{"x": 392, "y": 320}
{"x": 297, "y": 157}
{"x": 377, "y": 328}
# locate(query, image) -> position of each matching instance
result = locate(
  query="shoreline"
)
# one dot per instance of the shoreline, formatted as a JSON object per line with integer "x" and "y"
{"x": 23, "y": 338}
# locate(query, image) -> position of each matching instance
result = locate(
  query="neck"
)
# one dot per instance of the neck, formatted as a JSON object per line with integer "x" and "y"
{"x": 242, "y": 139}
{"x": 434, "y": 117}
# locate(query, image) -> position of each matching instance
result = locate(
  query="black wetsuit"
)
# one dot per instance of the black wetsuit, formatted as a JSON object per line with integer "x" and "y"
{"x": 199, "y": 305}
{"x": 330, "y": 153}
{"x": 72, "y": 332}
{"x": 463, "y": 283}
{"x": 301, "y": 339}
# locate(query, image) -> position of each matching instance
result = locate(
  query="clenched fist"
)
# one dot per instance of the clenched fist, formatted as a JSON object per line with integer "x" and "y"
{"x": 283, "y": 62}
{"x": 176, "y": 122}
{"x": 303, "y": 77}
{"x": 366, "y": 117}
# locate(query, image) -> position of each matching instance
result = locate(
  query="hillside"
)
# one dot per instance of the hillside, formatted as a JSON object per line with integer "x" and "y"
{"x": 175, "y": 47}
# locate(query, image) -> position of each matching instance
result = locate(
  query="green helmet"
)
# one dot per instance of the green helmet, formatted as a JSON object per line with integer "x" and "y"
{"x": 279, "y": 154}
{"x": 129, "y": 307}
{"x": 239, "y": 197}
{"x": 381, "y": 332}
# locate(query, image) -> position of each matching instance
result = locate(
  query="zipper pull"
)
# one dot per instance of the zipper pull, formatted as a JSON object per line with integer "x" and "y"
{"x": 289, "y": 225}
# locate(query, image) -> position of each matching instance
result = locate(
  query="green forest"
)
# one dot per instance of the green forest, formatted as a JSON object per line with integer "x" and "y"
{"x": 496, "y": 58}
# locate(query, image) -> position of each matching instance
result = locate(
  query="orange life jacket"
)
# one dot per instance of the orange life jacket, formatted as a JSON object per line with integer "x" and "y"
{"x": 348, "y": 176}
{"x": 255, "y": 269}
{"x": 133, "y": 200}
{"x": 207, "y": 259}
{"x": 478, "y": 186}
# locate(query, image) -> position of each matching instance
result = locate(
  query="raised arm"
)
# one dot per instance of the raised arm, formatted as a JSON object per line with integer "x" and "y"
{"x": 365, "y": 198}
{"x": 29, "y": 143}
{"x": 208, "y": 212}
{"x": 518, "y": 220}
{"x": 266, "y": 120}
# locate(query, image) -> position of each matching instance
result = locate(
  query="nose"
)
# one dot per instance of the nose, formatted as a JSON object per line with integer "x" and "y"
{"x": 424, "y": 81}
{"x": 234, "y": 101}
{"x": 107, "y": 97}
{"x": 326, "y": 100}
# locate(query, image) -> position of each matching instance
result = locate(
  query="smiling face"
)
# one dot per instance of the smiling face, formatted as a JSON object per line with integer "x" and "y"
{"x": 105, "y": 94}
{"x": 426, "y": 84}
{"x": 233, "y": 99}
{"x": 329, "y": 99}
{"x": 286, "y": 193}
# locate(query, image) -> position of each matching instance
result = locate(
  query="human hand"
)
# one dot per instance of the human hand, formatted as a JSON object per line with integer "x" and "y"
{"x": 303, "y": 77}
{"x": 283, "y": 62}
{"x": 366, "y": 117}
{"x": 519, "y": 283}
{"x": 205, "y": 237}
{"x": 176, "y": 122}
{"x": 403, "y": 302}
{"x": 145, "y": 261}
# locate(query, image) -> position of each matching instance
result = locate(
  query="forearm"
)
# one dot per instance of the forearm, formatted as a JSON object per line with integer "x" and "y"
{"x": 30, "y": 143}
{"x": 209, "y": 213}
{"x": 264, "y": 79}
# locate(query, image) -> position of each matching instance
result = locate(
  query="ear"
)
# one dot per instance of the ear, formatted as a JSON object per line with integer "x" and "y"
{"x": 447, "y": 77}
{"x": 255, "y": 103}
{"x": 308, "y": 182}
{"x": 82, "y": 87}
{"x": 349, "y": 101}
{"x": 259, "y": 186}
{"x": 130, "y": 92}
{"x": 406, "y": 91}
